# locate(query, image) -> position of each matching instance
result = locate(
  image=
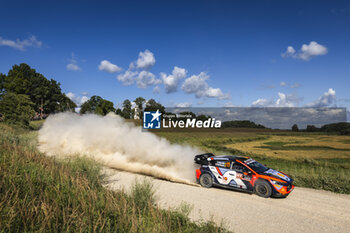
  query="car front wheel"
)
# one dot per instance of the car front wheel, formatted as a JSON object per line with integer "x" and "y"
{"x": 262, "y": 188}
{"x": 206, "y": 180}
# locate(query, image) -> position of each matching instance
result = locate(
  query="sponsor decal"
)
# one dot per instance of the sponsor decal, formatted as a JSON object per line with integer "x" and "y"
{"x": 278, "y": 174}
{"x": 277, "y": 186}
{"x": 249, "y": 161}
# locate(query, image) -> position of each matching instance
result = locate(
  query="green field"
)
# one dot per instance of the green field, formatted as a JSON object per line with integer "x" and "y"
{"x": 314, "y": 160}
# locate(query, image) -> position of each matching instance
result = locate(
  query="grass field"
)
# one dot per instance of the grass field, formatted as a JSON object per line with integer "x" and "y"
{"x": 40, "y": 194}
{"x": 314, "y": 160}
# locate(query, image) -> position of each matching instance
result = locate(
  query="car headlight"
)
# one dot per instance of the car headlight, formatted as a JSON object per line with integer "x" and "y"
{"x": 278, "y": 183}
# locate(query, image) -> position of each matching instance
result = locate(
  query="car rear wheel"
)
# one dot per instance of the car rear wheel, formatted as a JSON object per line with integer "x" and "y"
{"x": 206, "y": 180}
{"x": 262, "y": 188}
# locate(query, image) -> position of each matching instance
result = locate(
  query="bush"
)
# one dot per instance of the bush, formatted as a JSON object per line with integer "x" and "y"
{"x": 142, "y": 194}
{"x": 16, "y": 109}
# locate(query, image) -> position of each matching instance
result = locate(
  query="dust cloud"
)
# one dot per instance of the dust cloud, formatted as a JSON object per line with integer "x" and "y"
{"x": 116, "y": 144}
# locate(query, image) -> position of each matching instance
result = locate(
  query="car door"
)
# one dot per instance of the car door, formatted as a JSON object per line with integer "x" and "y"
{"x": 243, "y": 176}
{"x": 227, "y": 173}
{"x": 220, "y": 169}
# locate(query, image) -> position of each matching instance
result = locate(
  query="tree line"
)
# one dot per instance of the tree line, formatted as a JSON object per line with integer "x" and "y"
{"x": 100, "y": 106}
{"x": 25, "y": 93}
{"x": 342, "y": 127}
{"x": 242, "y": 124}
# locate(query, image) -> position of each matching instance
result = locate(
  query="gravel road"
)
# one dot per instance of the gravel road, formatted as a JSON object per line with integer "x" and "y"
{"x": 304, "y": 210}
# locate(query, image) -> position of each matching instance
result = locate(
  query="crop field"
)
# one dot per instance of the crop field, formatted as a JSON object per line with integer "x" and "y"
{"x": 314, "y": 160}
{"x": 292, "y": 147}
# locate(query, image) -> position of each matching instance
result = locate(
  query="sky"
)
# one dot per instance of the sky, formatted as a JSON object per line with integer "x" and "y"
{"x": 185, "y": 53}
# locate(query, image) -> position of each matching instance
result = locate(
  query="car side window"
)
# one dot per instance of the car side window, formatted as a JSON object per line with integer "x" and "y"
{"x": 239, "y": 168}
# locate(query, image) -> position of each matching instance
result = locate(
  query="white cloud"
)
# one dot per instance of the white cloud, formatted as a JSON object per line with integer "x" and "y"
{"x": 312, "y": 49}
{"x": 127, "y": 78}
{"x": 138, "y": 72}
{"x": 215, "y": 92}
{"x": 142, "y": 78}
{"x": 183, "y": 105}
{"x": 73, "y": 67}
{"x": 83, "y": 99}
{"x": 307, "y": 51}
{"x": 145, "y": 79}
{"x": 21, "y": 44}
{"x": 146, "y": 60}
{"x": 196, "y": 84}
{"x": 79, "y": 100}
{"x": 171, "y": 81}
{"x": 327, "y": 99}
{"x": 70, "y": 95}
{"x": 156, "y": 90}
{"x": 73, "y": 64}
{"x": 283, "y": 84}
{"x": 107, "y": 66}
{"x": 289, "y": 53}
{"x": 282, "y": 101}
{"x": 262, "y": 103}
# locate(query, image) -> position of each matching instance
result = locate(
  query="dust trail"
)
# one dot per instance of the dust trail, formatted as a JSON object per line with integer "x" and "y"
{"x": 116, "y": 144}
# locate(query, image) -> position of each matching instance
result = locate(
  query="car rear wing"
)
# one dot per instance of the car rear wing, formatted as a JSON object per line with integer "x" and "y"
{"x": 202, "y": 159}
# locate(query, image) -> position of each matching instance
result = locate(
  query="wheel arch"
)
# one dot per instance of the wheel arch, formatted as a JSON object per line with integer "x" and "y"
{"x": 263, "y": 179}
{"x": 206, "y": 172}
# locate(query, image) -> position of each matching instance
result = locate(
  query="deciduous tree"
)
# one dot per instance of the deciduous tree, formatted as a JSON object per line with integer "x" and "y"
{"x": 97, "y": 105}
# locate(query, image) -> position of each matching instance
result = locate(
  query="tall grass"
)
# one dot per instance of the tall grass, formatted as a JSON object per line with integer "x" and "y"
{"x": 40, "y": 194}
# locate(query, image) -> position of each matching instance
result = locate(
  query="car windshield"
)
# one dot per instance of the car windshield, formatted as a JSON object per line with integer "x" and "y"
{"x": 256, "y": 166}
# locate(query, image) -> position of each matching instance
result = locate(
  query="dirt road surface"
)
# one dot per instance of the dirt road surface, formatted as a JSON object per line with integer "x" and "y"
{"x": 304, "y": 210}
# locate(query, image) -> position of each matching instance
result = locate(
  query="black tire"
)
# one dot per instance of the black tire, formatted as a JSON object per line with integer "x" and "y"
{"x": 262, "y": 188}
{"x": 206, "y": 180}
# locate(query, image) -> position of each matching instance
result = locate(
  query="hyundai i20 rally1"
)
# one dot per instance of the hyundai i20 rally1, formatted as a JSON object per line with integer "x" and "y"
{"x": 242, "y": 173}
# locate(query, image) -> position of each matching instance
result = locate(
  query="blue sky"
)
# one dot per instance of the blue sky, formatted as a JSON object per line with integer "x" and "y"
{"x": 226, "y": 53}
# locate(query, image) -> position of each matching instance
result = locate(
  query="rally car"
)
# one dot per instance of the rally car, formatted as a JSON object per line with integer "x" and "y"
{"x": 242, "y": 173}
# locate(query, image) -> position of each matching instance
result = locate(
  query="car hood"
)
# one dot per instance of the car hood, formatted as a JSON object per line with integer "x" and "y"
{"x": 277, "y": 174}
